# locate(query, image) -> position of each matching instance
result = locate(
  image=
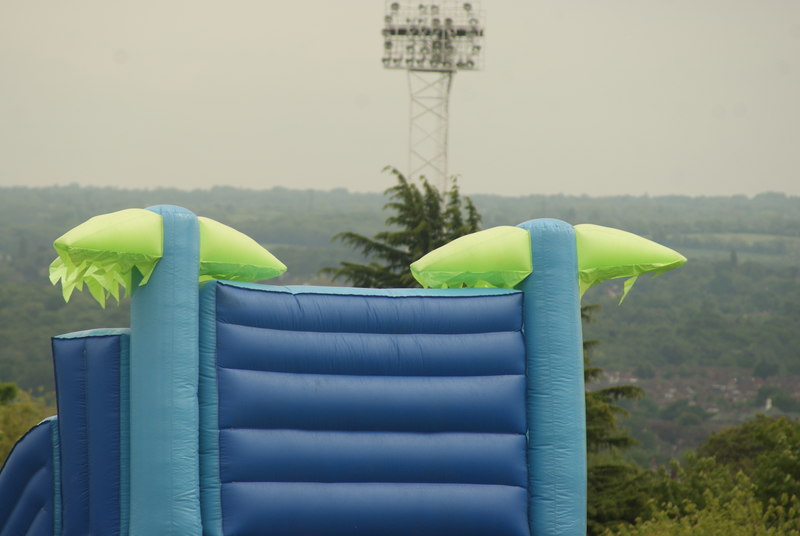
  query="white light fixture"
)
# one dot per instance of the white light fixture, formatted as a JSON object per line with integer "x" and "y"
{"x": 413, "y": 30}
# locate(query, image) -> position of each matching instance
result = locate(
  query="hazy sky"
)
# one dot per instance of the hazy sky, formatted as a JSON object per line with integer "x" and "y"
{"x": 698, "y": 97}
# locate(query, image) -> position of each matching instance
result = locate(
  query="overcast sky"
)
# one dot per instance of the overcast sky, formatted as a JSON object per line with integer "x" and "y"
{"x": 698, "y": 97}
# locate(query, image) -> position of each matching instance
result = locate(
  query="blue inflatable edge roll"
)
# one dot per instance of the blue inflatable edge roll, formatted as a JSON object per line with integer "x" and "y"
{"x": 164, "y": 415}
{"x": 210, "y": 485}
{"x": 124, "y": 432}
{"x": 388, "y": 292}
{"x": 56, "y": 473}
{"x": 555, "y": 398}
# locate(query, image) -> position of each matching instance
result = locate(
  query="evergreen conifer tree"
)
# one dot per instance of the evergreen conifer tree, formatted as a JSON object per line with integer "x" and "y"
{"x": 423, "y": 220}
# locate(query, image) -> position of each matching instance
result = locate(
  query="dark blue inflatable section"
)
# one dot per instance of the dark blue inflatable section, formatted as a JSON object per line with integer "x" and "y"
{"x": 92, "y": 431}
{"x": 364, "y": 412}
{"x": 28, "y": 483}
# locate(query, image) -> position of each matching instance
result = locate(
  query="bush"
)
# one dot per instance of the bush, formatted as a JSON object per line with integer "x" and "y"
{"x": 19, "y": 412}
{"x": 734, "y": 512}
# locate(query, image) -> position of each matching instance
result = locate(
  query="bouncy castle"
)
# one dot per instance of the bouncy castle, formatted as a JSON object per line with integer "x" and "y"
{"x": 234, "y": 408}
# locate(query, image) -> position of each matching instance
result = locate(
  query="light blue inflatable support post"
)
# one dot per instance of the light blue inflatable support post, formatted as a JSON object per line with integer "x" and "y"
{"x": 555, "y": 398}
{"x": 164, "y": 464}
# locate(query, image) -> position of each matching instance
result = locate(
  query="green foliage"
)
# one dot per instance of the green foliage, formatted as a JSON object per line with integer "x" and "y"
{"x": 423, "y": 220}
{"x": 744, "y": 480}
{"x": 687, "y": 483}
{"x": 618, "y": 492}
{"x": 8, "y": 392}
{"x": 645, "y": 371}
{"x": 765, "y": 392}
{"x": 602, "y": 409}
{"x": 706, "y": 498}
{"x": 686, "y": 318}
{"x": 684, "y": 413}
{"x": 19, "y": 412}
{"x": 786, "y": 403}
{"x": 764, "y": 369}
{"x": 739, "y": 513}
{"x": 30, "y": 314}
{"x": 603, "y": 412}
{"x": 765, "y": 449}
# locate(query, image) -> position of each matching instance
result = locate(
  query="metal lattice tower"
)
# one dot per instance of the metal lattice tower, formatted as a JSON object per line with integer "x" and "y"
{"x": 431, "y": 41}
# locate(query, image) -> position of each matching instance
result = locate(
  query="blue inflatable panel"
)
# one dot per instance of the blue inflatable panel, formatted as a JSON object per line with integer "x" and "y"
{"x": 465, "y": 354}
{"x": 373, "y": 509}
{"x": 88, "y": 374}
{"x": 314, "y": 456}
{"x": 378, "y": 412}
{"x": 210, "y": 485}
{"x": 27, "y": 485}
{"x": 488, "y": 404}
{"x": 398, "y": 312}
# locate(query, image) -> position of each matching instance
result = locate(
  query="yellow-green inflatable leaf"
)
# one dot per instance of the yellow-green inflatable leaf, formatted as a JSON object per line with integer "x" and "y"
{"x": 103, "y": 251}
{"x": 497, "y": 257}
{"x": 606, "y": 253}
{"x": 225, "y": 253}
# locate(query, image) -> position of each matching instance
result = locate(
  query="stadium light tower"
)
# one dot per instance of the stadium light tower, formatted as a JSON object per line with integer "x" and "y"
{"x": 431, "y": 41}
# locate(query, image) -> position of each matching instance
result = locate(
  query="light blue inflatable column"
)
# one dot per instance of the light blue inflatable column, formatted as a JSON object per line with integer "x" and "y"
{"x": 555, "y": 397}
{"x": 164, "y": 466}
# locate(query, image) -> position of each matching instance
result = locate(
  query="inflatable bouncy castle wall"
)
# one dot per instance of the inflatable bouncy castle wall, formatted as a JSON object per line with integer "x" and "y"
{"x": 232, "y": 408}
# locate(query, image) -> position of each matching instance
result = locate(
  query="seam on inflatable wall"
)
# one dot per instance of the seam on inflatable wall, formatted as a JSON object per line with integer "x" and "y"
{"x": 124, "y": 431}
{"x": 58, "y": 429}
{"x": 210, "y": 485}
{"x": 54, "y": 438}
{"x": 101, "y": 332}
{"x": 389, "y": 293}
{"x": 87, "y": 407}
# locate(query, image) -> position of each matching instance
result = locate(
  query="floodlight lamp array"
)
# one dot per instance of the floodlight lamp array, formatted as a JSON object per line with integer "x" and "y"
{"x": 440, "y": 36}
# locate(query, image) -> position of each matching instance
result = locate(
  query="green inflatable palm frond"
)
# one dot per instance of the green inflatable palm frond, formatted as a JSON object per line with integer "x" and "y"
{"x": 497, "y": 257}
{"x": 606, "y": 253}
{"x": 103, "y": 252}
{"x": 225, "y": 253}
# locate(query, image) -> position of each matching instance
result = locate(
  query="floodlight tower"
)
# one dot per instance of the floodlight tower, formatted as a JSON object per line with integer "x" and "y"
{"x": 431, "y": 41}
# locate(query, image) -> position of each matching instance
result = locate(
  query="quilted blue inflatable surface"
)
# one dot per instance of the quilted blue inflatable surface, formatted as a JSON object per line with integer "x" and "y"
{"x": 360, "y": 412}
